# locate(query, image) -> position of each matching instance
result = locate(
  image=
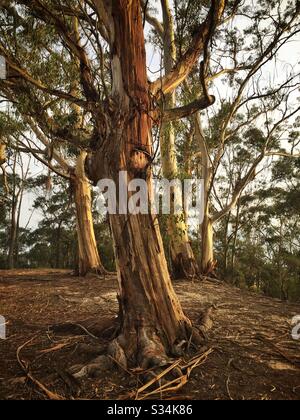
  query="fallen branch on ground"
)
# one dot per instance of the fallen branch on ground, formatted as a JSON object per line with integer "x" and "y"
{"x": 66, "y": 328}
{"x": 25, "y": 367}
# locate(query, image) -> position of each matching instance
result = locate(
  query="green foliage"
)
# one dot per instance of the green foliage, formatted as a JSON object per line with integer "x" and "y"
{"x": 265, "y": 255}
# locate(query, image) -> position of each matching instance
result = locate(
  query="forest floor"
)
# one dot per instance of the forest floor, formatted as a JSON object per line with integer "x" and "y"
{"x": 56, "y": 321}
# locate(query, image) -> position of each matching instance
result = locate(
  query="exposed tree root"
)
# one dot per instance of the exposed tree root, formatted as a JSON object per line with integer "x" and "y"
{"x": 185, "y": 268}
{"x": 147, "y": 357}
{"x": 72, "y": 383}
{"x": 138, "y": 344}
{"x": 210, "y": 269}
{"x": 270, "y": 343}
{"x": 99, "y": 271}
{"x": 143, "y": 352}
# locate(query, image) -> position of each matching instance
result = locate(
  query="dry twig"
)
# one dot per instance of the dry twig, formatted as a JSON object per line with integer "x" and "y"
{"x": 25, "y": 367}
{"x": 175, "y": 384}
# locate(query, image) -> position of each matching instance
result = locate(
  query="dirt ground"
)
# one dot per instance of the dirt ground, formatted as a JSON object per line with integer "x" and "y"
{"x": 56, "y": 321}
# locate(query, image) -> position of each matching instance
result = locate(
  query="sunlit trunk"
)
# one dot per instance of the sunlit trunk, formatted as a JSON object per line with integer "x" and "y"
{"x": 235, "y": 236}
{"x": 208, "y": 263}
{"x": 181, "y": 253}
{"x": 182, "y": 257}
{"x": 89, "y": 259}
{"x": 13, "y": 235}
{"x": 207, "y": 245}
{"x": 226, "y": 244}
{"x": 13, "y": 220}
{"x": 2, "y": 154}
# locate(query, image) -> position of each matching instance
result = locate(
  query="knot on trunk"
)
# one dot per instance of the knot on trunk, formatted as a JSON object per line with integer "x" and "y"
{"x": 139, "y": 162}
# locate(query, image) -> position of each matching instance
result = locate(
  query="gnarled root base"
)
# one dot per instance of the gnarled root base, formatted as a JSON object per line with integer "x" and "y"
{"x": 209, "y": 269}
{"x": 144, "y": 350}
{"x": 184, "y": 267}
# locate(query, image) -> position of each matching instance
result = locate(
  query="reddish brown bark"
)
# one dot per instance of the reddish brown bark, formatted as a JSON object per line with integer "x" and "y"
{"x": 152, "y": 320}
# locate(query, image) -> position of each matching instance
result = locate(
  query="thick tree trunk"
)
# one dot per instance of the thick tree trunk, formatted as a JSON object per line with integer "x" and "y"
{"x": 58, "y": 245}
{"x": 12, "y": 236}
{"x": 235, "y": 236}
{"x": 17, "y": 249}
{"x": 226, "y": 245}
{"x": 182, "y": 257}
{"x": 208, "y": 264}
{"x": 152, "y": 323}
{"x": 13, "y": 221}
{"x": 183, "y": 261}
{"x": 2, "y": 153}
{"x": 89, "y": 259}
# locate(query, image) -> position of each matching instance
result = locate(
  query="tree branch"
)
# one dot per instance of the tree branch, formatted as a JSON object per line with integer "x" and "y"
{"x": 43, "y": 161}
{"x": 72, "y": 42}
{"x": 239, "y": 189}
{"x": 283, "y": 154}
{"x": 155, "y": 23}
{"x": 187, "y": 110}
{"x": 16, "y": 71}
{"x": 182, "y": 69}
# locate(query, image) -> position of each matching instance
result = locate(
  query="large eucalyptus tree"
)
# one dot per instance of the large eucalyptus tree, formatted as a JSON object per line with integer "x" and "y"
{"x": 104, "y": 53}
{"x": 121, "y": 110}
